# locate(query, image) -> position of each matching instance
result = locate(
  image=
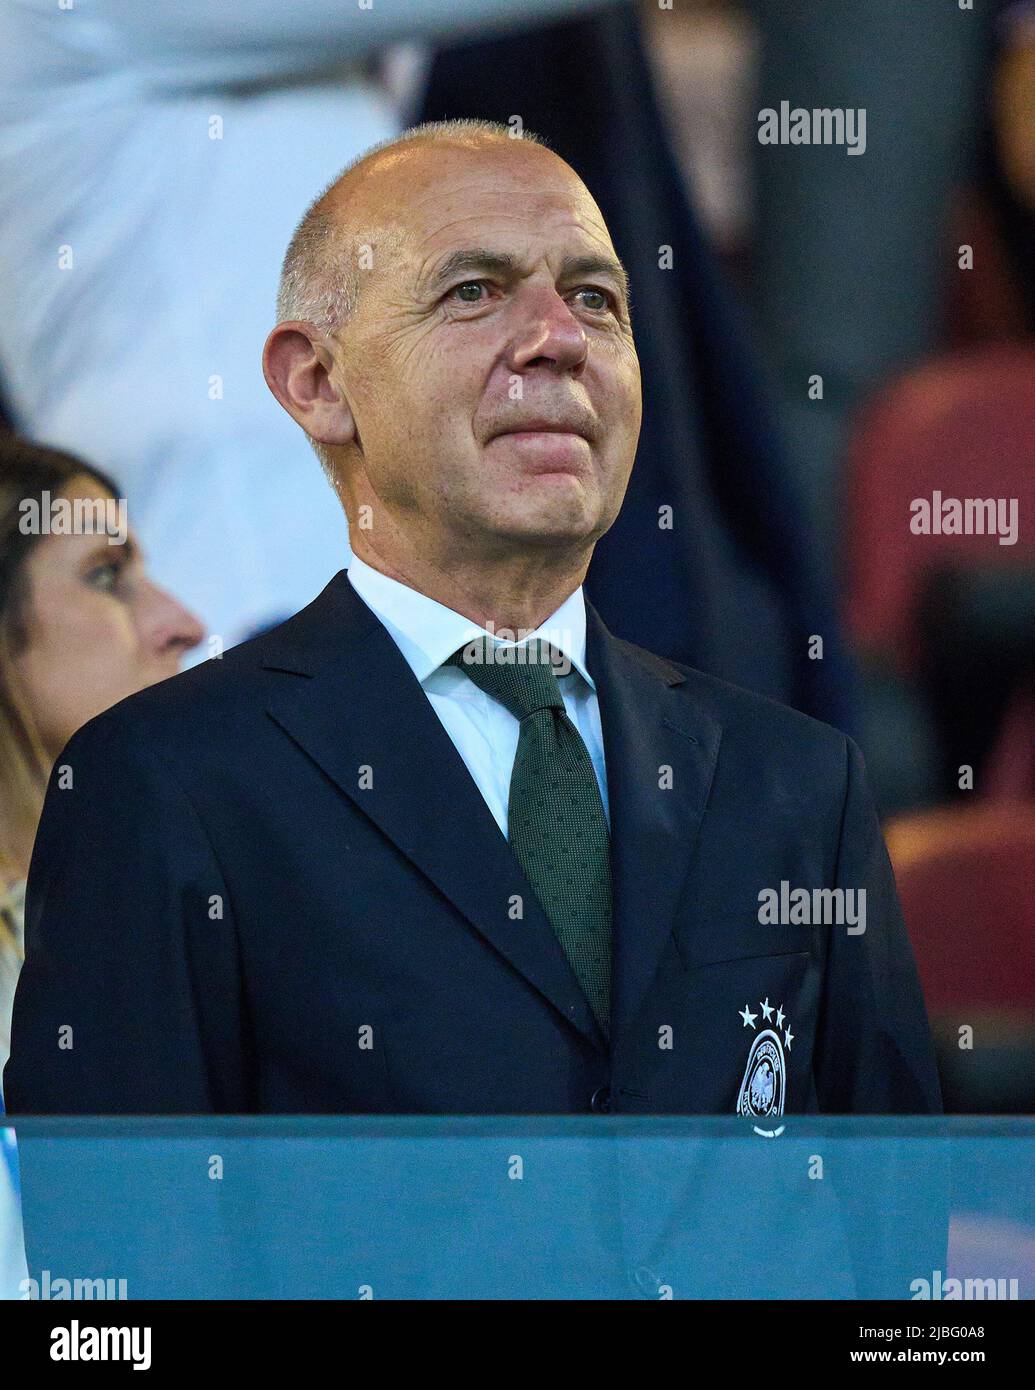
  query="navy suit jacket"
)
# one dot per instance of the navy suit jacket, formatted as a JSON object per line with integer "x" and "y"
{"x": 273, "y": 886}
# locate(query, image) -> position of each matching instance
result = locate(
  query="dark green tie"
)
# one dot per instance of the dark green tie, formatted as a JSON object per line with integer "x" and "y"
{"x": 557, "y": 826}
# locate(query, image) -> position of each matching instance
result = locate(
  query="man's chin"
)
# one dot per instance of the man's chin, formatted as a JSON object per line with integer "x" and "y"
{"x": 551, "y": 528}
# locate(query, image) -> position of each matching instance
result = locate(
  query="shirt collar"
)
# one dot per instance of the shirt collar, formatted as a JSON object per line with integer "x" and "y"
{"x": 428, "y": 633}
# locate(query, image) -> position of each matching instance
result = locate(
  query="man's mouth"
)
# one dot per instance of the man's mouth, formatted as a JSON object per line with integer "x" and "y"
{"x": 542, "y": 425}
{"x": 540, "y": 434}
{"x": 548, "y": 449}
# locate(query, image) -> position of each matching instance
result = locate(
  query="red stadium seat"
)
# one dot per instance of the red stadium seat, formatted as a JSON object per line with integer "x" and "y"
{"x": 963, "y": 426}
{"x": 965, "y": 880}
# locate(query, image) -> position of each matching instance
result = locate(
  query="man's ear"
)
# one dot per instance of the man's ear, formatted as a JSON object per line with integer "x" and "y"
{"x": 297, "y": 363}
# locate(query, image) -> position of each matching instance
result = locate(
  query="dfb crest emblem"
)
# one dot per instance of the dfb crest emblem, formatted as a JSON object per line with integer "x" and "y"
{"x": 764, "y": 1087}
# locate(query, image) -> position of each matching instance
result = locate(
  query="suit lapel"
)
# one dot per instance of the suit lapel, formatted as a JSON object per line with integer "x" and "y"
{"x": 359, "y": 706}
{"x": 354, "y": 703}
{"x": 648, "y": 730}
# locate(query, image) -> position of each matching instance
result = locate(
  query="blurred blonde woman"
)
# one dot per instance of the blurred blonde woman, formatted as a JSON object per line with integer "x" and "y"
{"x": 81, "y": 627}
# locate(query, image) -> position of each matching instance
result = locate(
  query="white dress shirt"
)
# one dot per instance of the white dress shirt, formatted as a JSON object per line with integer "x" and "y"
{"x": 484, "y": 732}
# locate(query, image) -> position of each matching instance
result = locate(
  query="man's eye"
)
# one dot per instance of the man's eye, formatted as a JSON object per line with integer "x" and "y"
{"x": 470, "y": 292}
{"x": 468, "y": 285}
{"x": 600, "y": 294}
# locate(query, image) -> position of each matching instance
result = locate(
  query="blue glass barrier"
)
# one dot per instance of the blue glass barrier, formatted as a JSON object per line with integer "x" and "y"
{"x": 561, "y": 1207}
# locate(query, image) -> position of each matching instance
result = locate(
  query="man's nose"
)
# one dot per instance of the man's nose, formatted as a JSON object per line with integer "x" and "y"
{"x": 166, "y": 627}
{"x": 549, "y": 333}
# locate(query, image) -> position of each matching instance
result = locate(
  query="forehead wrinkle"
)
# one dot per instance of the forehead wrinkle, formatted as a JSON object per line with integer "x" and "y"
{"x": 474, "y": 189}
{"x": 367, "y": 203}
{"x": 551, "y": 221}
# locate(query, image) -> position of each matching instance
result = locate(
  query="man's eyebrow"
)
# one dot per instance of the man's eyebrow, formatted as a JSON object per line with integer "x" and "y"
{"x": 597, "y": 265}
{"x": 474, "y": 258}
{"x": 502, "y": 263}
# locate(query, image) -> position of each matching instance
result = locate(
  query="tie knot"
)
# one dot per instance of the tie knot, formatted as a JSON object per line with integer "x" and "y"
{"x": 522, "y": 678}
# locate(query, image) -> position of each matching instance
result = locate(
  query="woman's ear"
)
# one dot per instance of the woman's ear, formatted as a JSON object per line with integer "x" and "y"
{"x": 297, "y": 363}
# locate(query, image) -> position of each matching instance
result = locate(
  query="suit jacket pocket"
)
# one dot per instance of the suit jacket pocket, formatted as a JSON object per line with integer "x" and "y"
{"x": 718, "y": 938}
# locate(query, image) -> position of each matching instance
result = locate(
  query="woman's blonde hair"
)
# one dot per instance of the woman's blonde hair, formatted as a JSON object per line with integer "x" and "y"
{"x": 27, "y": 471}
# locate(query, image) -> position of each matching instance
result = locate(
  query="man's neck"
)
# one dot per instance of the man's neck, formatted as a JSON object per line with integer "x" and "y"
{"x": 509, "y": 597}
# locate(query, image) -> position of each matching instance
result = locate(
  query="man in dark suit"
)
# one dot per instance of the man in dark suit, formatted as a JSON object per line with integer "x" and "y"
{"x": 440, "y": 843}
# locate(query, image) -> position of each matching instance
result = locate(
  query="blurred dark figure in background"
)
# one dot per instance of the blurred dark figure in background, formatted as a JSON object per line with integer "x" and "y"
{"x": 852, "y": 254}
{"x": 1008, "y": 165}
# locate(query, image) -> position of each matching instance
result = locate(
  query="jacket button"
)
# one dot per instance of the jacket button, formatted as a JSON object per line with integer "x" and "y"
{"x": 600, "y": 1101}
